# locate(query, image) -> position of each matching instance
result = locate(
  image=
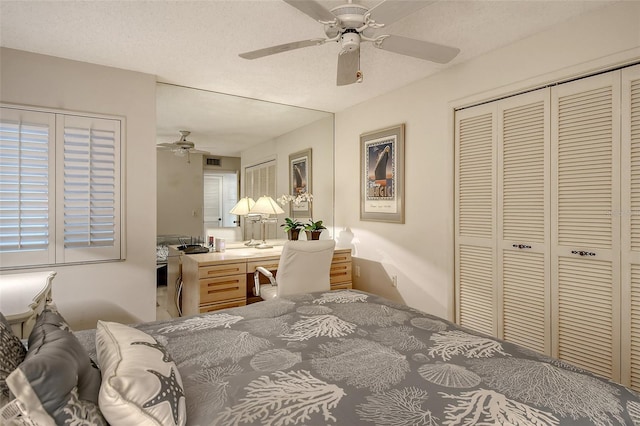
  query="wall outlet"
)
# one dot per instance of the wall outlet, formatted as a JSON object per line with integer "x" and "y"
{"x": 357, "y": 270}
{"x": 394, "y": 280}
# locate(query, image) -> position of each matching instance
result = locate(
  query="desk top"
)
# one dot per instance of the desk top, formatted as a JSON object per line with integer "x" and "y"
{"x": 241, "y": 253}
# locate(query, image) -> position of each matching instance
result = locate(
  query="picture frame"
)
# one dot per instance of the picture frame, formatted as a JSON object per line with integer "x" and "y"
{"x": 300, "y": 182}
{"x": 382, "y": 175}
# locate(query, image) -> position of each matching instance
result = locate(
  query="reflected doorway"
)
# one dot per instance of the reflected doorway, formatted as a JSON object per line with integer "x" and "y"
{"x": 220, "y": 190}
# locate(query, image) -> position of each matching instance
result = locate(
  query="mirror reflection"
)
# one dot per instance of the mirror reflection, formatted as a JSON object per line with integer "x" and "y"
{"x": 215, "y": 148}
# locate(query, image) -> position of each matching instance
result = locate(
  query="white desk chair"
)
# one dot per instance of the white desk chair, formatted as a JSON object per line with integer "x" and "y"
{"x": 304, "y": 267}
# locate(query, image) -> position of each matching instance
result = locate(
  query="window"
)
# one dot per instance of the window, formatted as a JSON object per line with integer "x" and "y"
{"x": 59, "y": 188}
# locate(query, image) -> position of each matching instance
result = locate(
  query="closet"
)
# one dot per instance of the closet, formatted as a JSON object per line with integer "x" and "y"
{"x": 548, "y": 221}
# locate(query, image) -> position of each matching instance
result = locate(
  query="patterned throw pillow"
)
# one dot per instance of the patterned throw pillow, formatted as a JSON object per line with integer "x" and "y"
{"x": 56, "y": 383}
{"x": 12, "y": 353}
{"x": 140, "y": 382}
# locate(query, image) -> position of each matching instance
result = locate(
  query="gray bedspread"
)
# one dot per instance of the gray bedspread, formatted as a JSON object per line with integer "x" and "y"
{"x": 353, "y": 358}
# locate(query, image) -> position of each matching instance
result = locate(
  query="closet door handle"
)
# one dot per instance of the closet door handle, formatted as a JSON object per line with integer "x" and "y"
{"x": 583, "y": 253}
{"x": 521, "y": 246}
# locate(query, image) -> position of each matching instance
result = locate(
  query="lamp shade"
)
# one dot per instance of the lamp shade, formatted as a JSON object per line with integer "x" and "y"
{"x": 243, "y": 207}
{"x": 266, "y": 205}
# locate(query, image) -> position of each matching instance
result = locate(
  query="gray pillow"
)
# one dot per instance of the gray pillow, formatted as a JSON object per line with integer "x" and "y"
{"x": 12, "y": 353}
{"x": 57, "y": 382}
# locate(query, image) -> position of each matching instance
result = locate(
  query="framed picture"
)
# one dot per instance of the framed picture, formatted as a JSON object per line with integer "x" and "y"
{"x": 300, "y": 182}
{"x": 382, "y": 175}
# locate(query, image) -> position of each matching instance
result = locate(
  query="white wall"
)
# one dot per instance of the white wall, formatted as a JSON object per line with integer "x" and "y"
{"x": 180, "y": 188}
{"x": 421, "y": 251}
{"x": 119, "y": 291}
{"x": 180, "y": 195}
{"x": 319, "y": 137}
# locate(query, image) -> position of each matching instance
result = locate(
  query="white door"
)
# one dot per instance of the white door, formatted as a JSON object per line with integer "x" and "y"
{"x": 630, "y": 216}
{"x": 212, "y": 201}
{"x": 260, "y": 180}
{"x": 475, "y": 218}
{"x": 585, "y": 135}
{"x": 523, "y": 273}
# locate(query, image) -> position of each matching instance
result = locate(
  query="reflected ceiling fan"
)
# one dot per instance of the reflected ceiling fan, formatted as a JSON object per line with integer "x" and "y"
{"x": 181, "y": 147}
{"x": 351, "y": 24}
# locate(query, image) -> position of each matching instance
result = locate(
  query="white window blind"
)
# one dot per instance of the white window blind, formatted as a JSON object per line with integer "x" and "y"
{"x": 26, "y": 188}
{"x": 59, "y": 188}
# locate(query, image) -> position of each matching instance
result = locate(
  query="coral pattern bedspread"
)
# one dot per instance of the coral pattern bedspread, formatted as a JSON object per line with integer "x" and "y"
{"x": 353, "y": 358}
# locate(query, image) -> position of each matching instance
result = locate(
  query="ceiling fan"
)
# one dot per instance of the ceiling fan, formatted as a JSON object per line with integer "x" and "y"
{"x": 181, "y": 147}
{"x": 351, "y": 24}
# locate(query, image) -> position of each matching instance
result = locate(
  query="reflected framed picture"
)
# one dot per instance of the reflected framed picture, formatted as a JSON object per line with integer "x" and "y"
{"x": 382, "y": 175}
{"x": 300, "y": 182}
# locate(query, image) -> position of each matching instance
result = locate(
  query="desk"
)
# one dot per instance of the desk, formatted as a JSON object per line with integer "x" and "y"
{"x": 213, "y": 281}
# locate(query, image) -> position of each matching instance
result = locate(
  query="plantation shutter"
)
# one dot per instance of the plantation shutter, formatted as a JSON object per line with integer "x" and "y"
{"x": 475, "y": 218}
{"x": 26, "y": 187}
{"x": 88, "y": 189}
{"x": 523, "y": 220}
{"x": 630, "y": 215}
{"x": 585, "y": 249}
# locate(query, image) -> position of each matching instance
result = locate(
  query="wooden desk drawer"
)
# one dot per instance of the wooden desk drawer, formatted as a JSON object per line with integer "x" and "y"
{"x": 222, "y": 305}
{"x": 222, "y": 269}
{"x": 341, "y": 286}
{"x": 341, "y": 257}
{"x": 270, "y": 264}
{"x": 223, "y": 289}
{"x": 340, "y": 272}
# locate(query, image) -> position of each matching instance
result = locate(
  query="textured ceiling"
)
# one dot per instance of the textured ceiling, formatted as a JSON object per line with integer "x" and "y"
{"x": 196, "y": 43}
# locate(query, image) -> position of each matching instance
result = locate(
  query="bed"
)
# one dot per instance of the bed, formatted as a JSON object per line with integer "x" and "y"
{"x": 353, "y": 358}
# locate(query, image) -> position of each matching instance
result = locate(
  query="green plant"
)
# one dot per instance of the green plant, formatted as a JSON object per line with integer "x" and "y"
{"x": 314, "y": 226}
{"x": 291, "y": 224}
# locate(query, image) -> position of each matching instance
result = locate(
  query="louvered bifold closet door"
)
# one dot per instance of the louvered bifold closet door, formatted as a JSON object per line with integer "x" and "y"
{"x": 260, "y": 180}
{"x": 630, "y": 216}
{"x": 523, "y": 220}
{"x": 475, "y": 218}
{"x": 585, "y": 138}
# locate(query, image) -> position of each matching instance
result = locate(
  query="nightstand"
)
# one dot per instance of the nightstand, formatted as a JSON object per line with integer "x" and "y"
{"x": 22, "y": 297}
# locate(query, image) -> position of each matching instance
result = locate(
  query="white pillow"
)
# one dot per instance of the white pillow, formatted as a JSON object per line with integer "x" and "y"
{"x": 57, "y": 383}
{"x": 141, "y": 384}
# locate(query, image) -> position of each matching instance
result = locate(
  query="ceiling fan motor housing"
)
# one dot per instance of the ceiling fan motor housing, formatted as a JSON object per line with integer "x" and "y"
{"x": 350, "y": 40}
{"x": 350, "y": 15}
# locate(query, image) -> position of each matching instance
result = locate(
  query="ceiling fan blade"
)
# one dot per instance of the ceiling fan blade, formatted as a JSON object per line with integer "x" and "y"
{"x": 165, "y": 145}
{"x": 390, "y": 11}
{"x": 348, "y": 67}
{"x": 417, "y": 48}
{"x": 281, "y": 48}
{"x": 312, "y": 9}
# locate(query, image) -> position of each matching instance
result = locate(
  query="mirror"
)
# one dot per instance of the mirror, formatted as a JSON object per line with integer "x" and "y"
{"x": 235, "y": 136}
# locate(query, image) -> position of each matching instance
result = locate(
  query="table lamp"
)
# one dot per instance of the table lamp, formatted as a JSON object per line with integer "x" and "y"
{"x": 265, "y": 206}
{"x": 243, "y": 208}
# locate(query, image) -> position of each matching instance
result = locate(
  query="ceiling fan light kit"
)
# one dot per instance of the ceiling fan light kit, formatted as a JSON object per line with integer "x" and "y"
{"x": 351, "y": 24}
